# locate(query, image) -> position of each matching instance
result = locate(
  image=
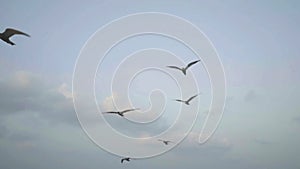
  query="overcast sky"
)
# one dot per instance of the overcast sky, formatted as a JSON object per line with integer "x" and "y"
{"x": 258, "y": 44}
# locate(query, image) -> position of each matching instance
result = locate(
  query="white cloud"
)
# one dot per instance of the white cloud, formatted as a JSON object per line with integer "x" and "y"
{"x": 65, "y": 90}
{"x": 108, "y": 102}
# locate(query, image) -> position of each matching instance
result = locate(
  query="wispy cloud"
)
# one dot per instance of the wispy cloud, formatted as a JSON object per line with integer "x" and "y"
{"x": 109, "y": 101}
{"x": 64, "y": 89}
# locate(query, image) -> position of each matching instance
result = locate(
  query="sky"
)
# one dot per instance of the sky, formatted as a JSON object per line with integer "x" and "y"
{"x": 257, "y": 42}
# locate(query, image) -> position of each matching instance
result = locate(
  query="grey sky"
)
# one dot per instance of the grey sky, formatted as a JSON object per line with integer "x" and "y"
{"x": 257, "y": 42}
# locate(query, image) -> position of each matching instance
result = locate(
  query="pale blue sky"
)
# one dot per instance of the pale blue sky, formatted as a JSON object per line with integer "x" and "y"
{"x": 257, "y": 42}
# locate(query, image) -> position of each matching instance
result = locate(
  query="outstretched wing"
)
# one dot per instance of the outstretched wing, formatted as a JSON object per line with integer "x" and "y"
{"x": 174, "y": 67}
{"x": 10, "y": 32}
{"x": 128, "y": 110}
{"x": 191, "y": 98}
{"x": 110, "y": 112}
{"x": 165, "y": 140}
{"x": 179, "y": 100}
{"x": 192, "y": 63}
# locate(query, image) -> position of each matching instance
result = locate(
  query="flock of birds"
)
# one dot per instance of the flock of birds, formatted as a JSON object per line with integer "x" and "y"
{"x": 9, "y": 32}
{"x": 186, "y": 102}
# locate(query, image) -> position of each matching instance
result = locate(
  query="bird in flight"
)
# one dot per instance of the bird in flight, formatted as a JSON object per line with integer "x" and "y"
{"x": 184, "y": 69}
{"x": 187, "y": 102}
{"x": 166, "y": 142}
{"x": 9, "y": 32}
{"x": 125, "y": 159}
{"x": 120, "y": 113}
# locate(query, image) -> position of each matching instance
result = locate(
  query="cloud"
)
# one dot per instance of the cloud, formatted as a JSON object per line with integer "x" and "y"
{"x": 213, "y": 154}
{"x": 108, "y": 102}
{"x": 17, "y": 131}
{"x": 16, "y": 90}
{"x": 215, "y": 142}
{"x": 27, "y": 92}
{"x": 23, "y": 139}
{"x": 65, "y": 90}
{"x": 21, "y": 136}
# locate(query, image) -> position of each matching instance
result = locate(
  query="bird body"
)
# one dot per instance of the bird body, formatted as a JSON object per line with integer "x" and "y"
{"x": 184, "y": 69}
{"x": 125, "y": 159}
{"x": 187, "y": 102}
{"x": 120, "y": 113}
{"x": 166, "y": 142}
{"x": 9, "y": 32}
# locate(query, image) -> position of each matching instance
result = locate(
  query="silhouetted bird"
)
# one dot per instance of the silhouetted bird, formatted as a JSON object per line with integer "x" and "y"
{"x": 120, "y": 113}
{"x": 125, "y": 159}
{"x": 184, "y": 69}
{"x": 166, "y": 142}
{"x": 9, "y": 33}
{"x": 187, "y": 102}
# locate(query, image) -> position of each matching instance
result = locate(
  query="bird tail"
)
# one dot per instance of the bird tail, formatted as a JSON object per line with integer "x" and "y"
{"x": 10, "y": 42}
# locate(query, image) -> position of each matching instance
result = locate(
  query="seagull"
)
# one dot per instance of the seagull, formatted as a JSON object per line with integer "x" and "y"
{"x": 120, "y": 113}
{"x": 184, "y": 69}
{"x": 10, "y": 32}
{"x": 125, "y": 159}
{"x": 166, "y": 142}
{"x": 187, "y": 102}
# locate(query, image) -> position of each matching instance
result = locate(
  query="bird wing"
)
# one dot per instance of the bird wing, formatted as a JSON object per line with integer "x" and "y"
{"x": 174, "y": 67}
{"x": 128, "y": 110}
{"x": 165, "y": 140}
{"x": 191, "y": 98}
{"x": 10, "y": 32}
{"x": 126, "y": 158}
{"x": 110, "y": 112}
{"x": 179, "y": 100}
{"x": 192, "y": 63}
